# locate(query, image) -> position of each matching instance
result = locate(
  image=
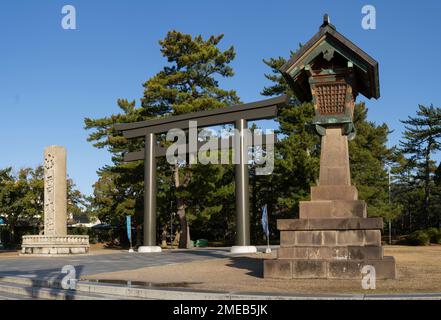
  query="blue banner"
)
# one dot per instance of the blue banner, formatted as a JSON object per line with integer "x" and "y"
{"x": 265, "y": 220}
{"x": 129, "y": 228}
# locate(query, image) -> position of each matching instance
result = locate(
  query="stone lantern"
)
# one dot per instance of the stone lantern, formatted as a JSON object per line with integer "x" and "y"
{"x": 333, "y": 237}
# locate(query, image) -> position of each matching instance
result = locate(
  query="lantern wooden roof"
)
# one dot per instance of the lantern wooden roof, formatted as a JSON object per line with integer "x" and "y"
{"x": 332, "y": 47}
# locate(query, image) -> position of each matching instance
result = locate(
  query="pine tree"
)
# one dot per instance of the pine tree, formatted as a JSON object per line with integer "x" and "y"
{"x": 406, "y": 191}
{"x": 188, "y": 83}
{"x": 420, "y": 141}
{"x": 119, "y": 189}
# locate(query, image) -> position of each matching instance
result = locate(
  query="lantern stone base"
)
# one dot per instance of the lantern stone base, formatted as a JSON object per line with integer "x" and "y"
{"x": 327, "y": 269}
{"x": 329, "y": 248}
{"x": 55, "y": 245}
{"x": 334, "y": 238}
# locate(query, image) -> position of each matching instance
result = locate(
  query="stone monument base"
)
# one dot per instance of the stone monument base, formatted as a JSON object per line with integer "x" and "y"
{"x": 149, "y": 249}
{"x": 55, "y": 245}
{"x": 243, "y": 249}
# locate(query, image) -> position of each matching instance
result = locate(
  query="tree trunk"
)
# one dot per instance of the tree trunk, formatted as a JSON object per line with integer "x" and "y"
{"x": 11, "y": 228}
{"x": 182, "y": 223}
{"x": 12, "y": 238}
{"x": 122, "y": 233}
{"x": 427, "y": 185}
{"x": 138, "y": 235}
{"x": 184, "y": 231}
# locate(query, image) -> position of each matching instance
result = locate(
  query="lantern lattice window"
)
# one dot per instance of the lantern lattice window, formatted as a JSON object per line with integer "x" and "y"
{"x": 331, "y": 98}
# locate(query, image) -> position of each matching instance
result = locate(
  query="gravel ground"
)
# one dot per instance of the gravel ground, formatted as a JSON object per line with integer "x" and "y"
{"x": 418, "y": 271}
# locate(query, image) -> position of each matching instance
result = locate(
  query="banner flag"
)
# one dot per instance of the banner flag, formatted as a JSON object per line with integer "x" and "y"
{"x": 265, "y": 220}
{"x": 129, "y": 228}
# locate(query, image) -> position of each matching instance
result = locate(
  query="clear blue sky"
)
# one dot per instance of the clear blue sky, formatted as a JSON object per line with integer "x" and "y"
{"x": 50, "y": 78}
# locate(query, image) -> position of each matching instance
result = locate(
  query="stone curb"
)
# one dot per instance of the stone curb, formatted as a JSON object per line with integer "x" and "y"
{"x": 51, "y": 289}
{"x": 47, "y": 293}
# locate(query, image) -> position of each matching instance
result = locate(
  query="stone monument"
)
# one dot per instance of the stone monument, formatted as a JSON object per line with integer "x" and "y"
{"x": 55, "y": 240}
{"x": 333, "y": 238}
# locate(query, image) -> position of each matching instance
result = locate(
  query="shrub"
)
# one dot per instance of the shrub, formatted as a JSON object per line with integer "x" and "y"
{"x": 435, "y": 235}
{"x": 94, "y": 236}
{"x": 419, "y": 238}
{"x": 437, "y": 238}
{"x": 78, "y": 231}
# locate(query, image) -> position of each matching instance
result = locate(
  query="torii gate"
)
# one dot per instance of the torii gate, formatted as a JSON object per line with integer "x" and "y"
{"x": 239, "y": 115}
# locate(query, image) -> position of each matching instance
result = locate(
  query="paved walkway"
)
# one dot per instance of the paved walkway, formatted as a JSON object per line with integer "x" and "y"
{"x": 49, "y": 267}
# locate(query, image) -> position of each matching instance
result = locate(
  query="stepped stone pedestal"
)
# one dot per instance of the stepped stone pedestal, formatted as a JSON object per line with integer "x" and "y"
{"x": 333, "y": 239}
{"x": 55, "y": 240}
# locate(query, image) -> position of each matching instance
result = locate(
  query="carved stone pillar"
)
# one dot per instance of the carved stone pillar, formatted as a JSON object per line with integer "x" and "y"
{"x": 55, "y": 240}
{"x": 55, "y": 191}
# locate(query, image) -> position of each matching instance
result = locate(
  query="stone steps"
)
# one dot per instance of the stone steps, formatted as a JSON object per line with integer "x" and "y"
{"x": 336, "y": 192}
{"x": 332, "y": 209}
{"x": 330, "y": 238}
{"x": 327, "y": 269}
{"x": 330, "y": 244}
{"x": 331, "y": 252}
{"x": 330, "y": 224}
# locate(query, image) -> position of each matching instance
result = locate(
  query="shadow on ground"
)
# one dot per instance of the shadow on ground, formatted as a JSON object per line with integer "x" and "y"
{"x": 203, "y": 253}
{"x": 41, "y": 279}
{"x": 253, "y": 265}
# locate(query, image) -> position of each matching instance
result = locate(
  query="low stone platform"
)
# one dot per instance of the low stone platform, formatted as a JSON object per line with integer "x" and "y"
{"x": 55, "y": 245}
{"x": 332, "y": 209}
{"x": 327, "y": 269}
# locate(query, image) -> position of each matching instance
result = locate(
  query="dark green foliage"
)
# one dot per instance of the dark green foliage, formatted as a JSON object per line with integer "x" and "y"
{"x": 95, "y": 235}
{"x": 435, "y": 235}
{"x": 296, "y": 159}
{"x": 368, "y": 155}
{"x": 424, "y": 237}
{"x": 419, "y": 238}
